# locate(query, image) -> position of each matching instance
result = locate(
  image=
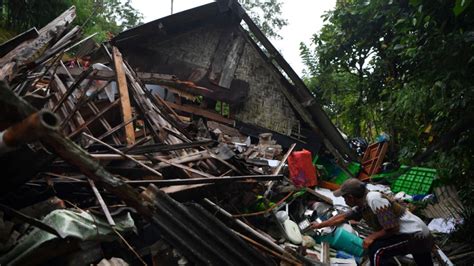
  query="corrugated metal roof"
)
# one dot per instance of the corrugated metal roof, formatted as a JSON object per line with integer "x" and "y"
{"x": 448, "y": 205}
{"x": 201, "y": 237}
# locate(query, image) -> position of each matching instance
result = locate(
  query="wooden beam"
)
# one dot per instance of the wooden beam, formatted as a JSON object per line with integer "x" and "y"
{"x": 101, "y": 201}
{"x": 226, "y": 57}
{"x": 97, "y": 116}
{"x": 174, "y": 182}
{"x": 124, "y": 97}
{"x": 14, "y": 42}
{"x": 199, "y": 111}
{"x": 277, "y": 170}
{"x": 165, "y": 80}
{"x": 124, "y": 155}
{"x": 325, "y": 253}
{"x": 30, "y": 50}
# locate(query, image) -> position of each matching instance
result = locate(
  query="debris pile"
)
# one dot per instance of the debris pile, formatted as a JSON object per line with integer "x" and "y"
{"x": 98, "y": 168}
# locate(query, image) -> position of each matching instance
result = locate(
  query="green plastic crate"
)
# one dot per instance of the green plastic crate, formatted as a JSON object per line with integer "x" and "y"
{"x": 389, "y": 176}
{"x": 352, "y": 168}
{"x": 417, "y": 181}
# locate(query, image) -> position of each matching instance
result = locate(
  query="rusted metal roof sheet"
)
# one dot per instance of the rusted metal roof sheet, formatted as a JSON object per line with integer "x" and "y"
{"x": 201, "y": 237}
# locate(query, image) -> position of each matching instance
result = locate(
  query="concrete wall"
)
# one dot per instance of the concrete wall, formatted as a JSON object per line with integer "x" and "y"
{"x": 195, "y": 47}
{"x": 265, "y": 106}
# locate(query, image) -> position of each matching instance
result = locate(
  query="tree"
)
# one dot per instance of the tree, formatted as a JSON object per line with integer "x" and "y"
{"x": 109, "y": 16}
{"x": 96, "y": 16}
{"x": 19, "y": 15}
{"x": 404, "y": 67}
{"x": 267, "y": 15}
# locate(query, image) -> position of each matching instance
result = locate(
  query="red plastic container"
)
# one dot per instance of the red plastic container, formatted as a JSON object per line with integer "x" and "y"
{"x": 302, "y": 171}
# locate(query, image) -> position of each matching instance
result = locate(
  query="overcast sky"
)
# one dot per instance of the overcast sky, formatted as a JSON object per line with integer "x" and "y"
{"x": 304, "y": 19}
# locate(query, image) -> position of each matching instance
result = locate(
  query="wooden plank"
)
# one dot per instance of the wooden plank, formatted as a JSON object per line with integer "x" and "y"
{"x": 125, "y": 106}
{"x": 231, "y": 63}
{"x": 62, "y": 90}
{"x": 63, "y": 110}
{"x": 325, "y": 253}
{"x": 226, "y": 57}
{"x": 30, "y": 50}
{"x": 11, "y": 44}
{"x": 277, "y": 170}
{"x": 113, "y": 130}
{"x": 91, "y": 105}
{"x": 95, "y": 110}
{"x": 199, "y": 111}
{"x": 184, "y": 167}
{"x": 124, "y": 155}
{"x": 213, "y": 180}
{"x": 97, "y": 116}
{"x": 101, "y": 201}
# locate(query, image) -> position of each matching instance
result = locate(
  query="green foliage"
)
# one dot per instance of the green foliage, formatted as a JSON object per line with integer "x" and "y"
{"x": 107, "y": 16}
{"x": 222, "y": 108}
{"x": 267, "y": 15}
{"x": 399, "y": 67}
{"x": 19, "y": 15}
{"x": 96, "y": 16}
{"x": 5, "y": 35}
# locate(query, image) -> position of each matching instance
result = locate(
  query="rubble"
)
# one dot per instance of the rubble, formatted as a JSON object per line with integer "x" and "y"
{"x": 100, "y": 169}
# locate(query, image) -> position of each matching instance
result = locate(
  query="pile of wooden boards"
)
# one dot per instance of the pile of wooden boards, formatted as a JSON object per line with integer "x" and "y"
{"x": 81, "y": 132}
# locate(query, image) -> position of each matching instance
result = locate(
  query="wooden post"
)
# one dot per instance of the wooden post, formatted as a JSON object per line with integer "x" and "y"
{"x": 325, "y": 256}
{"x": 124, "y": 97}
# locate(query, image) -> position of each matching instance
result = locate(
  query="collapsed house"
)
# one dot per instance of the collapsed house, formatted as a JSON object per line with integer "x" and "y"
{"x": 169, "y": 144}
{"x": 242, "y": 69}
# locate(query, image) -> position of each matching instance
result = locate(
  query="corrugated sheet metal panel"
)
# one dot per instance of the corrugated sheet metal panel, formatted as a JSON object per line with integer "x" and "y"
{"x": 448, "y": 204}
{"x": 201, "y": 237}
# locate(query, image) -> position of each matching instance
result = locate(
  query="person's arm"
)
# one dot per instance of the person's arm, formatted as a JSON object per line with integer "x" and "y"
{"x": 335, "y": 220}
{"x": 378, "y": 234}
{"x": 386, "y": 217}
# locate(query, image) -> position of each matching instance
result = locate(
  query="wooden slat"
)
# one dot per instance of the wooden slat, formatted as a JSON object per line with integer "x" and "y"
{"x": 95, "y": 110}
{"x": 226, "y": 58}
{"x": 124, "y": 97}
{"x": 61, "y": 90}
{"x": 201, "y": 112}
{"x": 97, "y": 116}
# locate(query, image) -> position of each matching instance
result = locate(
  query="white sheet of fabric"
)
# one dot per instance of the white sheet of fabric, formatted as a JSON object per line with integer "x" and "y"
{"x": 442, "y": 225}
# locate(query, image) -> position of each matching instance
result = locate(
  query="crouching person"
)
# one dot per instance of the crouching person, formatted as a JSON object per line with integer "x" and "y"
{"x": 396, "y": 230}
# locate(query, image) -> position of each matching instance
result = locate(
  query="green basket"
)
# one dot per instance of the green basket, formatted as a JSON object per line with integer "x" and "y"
{"x": 417, "y": 181}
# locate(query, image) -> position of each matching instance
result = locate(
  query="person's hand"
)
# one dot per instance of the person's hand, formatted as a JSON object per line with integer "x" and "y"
{"x": 315, "y": 225}
{"x": 367, "y": 242}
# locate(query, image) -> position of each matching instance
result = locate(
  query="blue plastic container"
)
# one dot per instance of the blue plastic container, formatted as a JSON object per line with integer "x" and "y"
{"x": 344, "y": 255}
{"x": 343, "y": 240}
